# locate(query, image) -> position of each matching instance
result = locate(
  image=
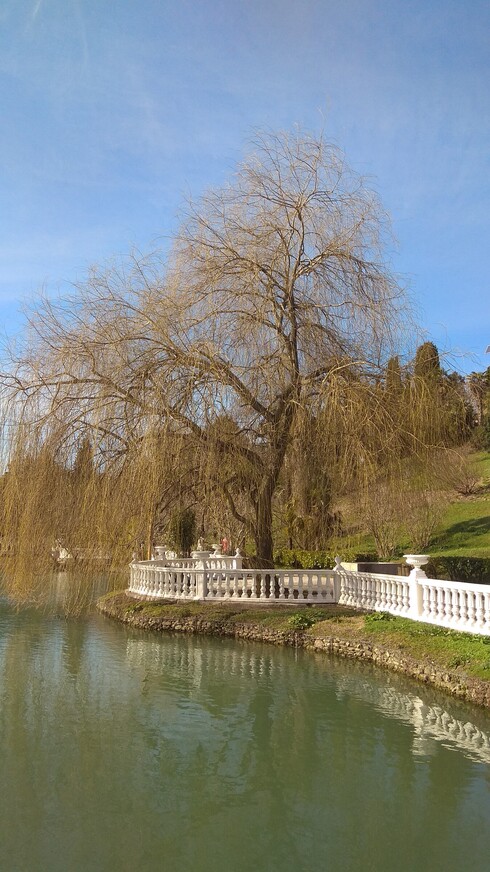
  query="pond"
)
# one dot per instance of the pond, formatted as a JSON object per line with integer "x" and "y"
{"x": 125, "y": 750}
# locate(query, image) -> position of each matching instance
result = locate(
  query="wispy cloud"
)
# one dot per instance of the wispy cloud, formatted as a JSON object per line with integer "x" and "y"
{"x": 35, "y": 10}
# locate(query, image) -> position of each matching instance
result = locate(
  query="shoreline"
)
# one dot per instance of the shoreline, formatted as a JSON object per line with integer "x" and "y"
{"x": 340, "y": 634}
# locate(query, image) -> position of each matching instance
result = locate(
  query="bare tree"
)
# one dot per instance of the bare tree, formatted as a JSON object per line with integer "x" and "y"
{"x": 275, "y": 305}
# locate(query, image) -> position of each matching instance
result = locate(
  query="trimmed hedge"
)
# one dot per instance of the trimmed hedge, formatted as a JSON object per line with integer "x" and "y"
{"x": 453, "y": 568}
{"x": 299, "y": 559}
{"x": 459, "y": 568}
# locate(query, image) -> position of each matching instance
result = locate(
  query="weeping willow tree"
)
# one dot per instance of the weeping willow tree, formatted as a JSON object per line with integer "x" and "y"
{"x": 259, "y": 342}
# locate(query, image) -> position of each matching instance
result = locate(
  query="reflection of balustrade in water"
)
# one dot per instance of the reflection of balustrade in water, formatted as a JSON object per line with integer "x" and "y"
{"x": 432, "y": 723}
{"x": 195, "y": 662}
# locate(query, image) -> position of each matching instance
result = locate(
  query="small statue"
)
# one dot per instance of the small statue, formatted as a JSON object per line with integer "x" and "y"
{"x": 200, "y": 544}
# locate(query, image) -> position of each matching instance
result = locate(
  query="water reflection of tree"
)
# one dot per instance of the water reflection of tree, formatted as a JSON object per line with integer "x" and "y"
{"x": 287, "y": 755}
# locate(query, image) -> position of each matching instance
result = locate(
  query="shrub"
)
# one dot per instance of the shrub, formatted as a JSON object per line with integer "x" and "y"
{"x": 300, "y": 559}
{"x": 300, "y": 622}
{"x": 183, "y": 530}
{"x": 459, "y": 568}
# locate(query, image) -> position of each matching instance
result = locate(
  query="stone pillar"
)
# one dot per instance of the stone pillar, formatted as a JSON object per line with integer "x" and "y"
{"x": 416, "y": 561}
{"x": 237, "y": 561}
{"x": 200, "y": 568}
{"x": 336, "y": 579}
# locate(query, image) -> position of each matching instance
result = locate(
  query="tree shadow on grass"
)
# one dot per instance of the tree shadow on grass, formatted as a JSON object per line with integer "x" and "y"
{"x": 473, "y": 528}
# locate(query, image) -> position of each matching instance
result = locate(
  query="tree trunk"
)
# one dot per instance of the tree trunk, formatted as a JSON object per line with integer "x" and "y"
{"x": 263, "y": 527}
{"x": 263, "y": 507}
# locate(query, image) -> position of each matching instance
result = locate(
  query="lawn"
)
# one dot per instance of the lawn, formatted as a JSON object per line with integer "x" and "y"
{"x": 465, "y": 528}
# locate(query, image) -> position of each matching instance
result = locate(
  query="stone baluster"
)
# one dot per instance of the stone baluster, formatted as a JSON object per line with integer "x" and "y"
{"x": 455, "y": 607}
{"x": 463, "y": 610}
{"x": 391, "y": 602}
{"x": 441, "y": 605}
{"x": 480, "y": 611}
{"x": 406, "y": 598}
{"x": 327, "y": 586}
{"x": 248, "y": 576}
{"x": 373, "y": 600}
{"x": 227, "y": 585}
{"x": 300, "y": 586}
{"x": 399, "y": 597}
{"x": 356, "y": 590}
{"x": 359, "y": 590}
{"x": 348, "y": 588}
{"x": 309, "y": 586}
{"x": 486, "y": 609}
{"x": 384, "y": 595}
{"x": 364, "y": 592}
{"x": 433, "y": 604}
{"x": 471, "y": 608}
{"x": 425, "y": 601}
{"x": 447, "y": 606}
{"x": 389, "y": 594}
{"x": 282, "y": 578}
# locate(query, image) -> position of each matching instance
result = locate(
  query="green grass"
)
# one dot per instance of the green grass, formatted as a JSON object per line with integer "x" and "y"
{"x": 426, "y": 642}
{"x": 465, "y": 528}
{"x": 282, "y": 618}
{"x": 481, "y": 461}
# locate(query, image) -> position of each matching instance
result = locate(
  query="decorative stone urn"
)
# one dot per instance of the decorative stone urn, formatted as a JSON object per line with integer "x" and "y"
{"x": 416, "y": 561}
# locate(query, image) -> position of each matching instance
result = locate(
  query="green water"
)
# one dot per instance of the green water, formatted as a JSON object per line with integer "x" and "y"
{"x": 128, "y": 751}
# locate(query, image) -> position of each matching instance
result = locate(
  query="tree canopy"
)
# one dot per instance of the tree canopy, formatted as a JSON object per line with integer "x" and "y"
{"x": 271, "y": 320}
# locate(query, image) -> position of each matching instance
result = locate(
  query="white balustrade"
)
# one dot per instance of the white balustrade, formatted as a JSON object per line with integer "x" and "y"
{"x": 456, "y": 605}
{"x": 213, "y": 581}
{"x": 374, "y": 592}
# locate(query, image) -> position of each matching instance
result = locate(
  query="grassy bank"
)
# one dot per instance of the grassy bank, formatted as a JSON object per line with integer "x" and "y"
{"x": 463, "y": 529}
{"x": 457, "y": 662}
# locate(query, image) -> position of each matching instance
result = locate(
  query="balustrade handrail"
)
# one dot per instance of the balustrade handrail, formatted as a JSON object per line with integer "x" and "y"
{"x": 212, "y": 560}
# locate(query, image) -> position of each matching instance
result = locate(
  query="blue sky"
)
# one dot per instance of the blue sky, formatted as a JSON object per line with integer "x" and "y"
{"x": 112, "y": 113}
